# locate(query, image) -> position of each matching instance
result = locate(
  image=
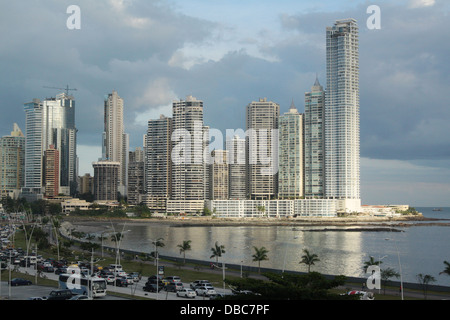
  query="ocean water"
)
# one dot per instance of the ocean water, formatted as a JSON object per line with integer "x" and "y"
{"x": 417, "y": 249}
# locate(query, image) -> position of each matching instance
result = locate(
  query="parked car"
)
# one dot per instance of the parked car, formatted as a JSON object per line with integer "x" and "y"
{"x": 187, "y": 293}
{"x": 63, "y": 294}
{"x": 129, "y": 279}
{"x": 174, "y": 286}
{"x": 196, "y": 282}
{"x": 151, "y": 287}
{"x": 205, "y": 290}
{"x": 20, "y": 282}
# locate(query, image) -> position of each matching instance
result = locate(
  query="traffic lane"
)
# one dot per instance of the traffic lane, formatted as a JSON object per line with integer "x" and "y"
{"x": 26, "y": 292}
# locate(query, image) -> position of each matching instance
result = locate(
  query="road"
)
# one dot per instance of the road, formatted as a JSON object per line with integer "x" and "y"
{"x": 135, "y": 290}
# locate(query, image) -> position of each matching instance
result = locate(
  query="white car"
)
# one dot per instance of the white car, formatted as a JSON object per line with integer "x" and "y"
{"x": 110, "y": 279}
{"x": 205, "y": 290}
{"x": 186, "y": 292}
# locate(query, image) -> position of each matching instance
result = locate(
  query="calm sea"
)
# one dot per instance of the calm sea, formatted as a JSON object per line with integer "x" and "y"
{"x": 418, "y": 249}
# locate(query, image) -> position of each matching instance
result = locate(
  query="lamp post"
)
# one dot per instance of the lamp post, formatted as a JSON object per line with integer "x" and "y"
{"x": 399, "y": 265}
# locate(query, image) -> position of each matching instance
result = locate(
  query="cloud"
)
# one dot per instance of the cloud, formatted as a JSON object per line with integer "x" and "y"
{"x": 421, "y": 3}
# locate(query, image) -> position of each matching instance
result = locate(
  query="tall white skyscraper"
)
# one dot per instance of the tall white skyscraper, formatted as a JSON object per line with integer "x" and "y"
{"x": 115, "y": 140}
{"x": 188, "y": 162}
{"x": 342, "y": 122}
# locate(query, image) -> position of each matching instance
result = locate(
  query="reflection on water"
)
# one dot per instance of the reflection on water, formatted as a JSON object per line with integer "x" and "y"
{"x": 418, "y": 249}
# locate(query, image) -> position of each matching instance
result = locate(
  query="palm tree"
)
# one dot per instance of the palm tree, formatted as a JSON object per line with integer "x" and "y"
{"x": 260, "y": 255}
{"x": 371, "y": 262}
{"x": 388, "y": 273}
{"x": 447, "y": 268}
{"x": 424, "y": 280}
{"x": 261, "y": 209}
{"x": 217, "y": 251}
{"x": 309, "y": 259}
{"x": 185, "y": 246}
{"x": 158, "y": 243}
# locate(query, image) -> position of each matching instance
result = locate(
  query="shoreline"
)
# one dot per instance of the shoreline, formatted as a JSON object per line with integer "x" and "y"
{"x": 403, "y": 221}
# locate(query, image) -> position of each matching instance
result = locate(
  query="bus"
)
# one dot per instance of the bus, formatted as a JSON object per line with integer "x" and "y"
{"x": 77, "y": 283}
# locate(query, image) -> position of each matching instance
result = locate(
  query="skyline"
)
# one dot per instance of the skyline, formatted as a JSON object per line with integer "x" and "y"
{"x": 404, "y": 151}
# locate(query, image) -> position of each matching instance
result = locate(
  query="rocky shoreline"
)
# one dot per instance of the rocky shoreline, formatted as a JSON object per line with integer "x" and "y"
{"x": 383, "y": 223}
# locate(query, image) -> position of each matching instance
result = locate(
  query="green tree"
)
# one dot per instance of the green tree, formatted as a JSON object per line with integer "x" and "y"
{"x": 217, "y": 251}
{"x": 309, "y": 259}
{"x": 447, "y": 268}
{"x": 260, "y": 255}
{"x": 185, "y": 246}
{"x": 386, "y": 275}
{"x": 371, "y": 262}
{"x": 158, "y": 243}
{"x": 424, "y": 281}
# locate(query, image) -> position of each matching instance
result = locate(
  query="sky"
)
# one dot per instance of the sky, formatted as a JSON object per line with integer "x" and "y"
{"x": 229, "y": 53}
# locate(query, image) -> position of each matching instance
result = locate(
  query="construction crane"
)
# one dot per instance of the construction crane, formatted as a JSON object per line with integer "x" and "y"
{"x": 67, "y": 89}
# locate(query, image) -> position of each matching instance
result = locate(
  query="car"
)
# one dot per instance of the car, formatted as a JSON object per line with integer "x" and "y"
{"x": 151, "y": 287}
{"x": 121, "y": 282}
{"x": 80, "y": 297}
{"x": 20, "y": 282}
{"x": 205, "y": 290}
{"x": 129, "y": 279}
{"x": 187, "y": 293}
{"x": 173, "y": 279}
{"x": 110, "y": 279}
{"x": 62, "y": 294}
{"x": 196, "y": 282}
{"x": 61, "y": 270}
{"x": 136, "y": 276}
{"x": 174, "y": 286}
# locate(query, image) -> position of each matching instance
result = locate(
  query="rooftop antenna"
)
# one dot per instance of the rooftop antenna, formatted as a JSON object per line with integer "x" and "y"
{"x": 67, "y": 89}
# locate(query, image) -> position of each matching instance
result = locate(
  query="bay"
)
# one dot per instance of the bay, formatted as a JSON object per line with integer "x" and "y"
{"x": 420, "y": 248}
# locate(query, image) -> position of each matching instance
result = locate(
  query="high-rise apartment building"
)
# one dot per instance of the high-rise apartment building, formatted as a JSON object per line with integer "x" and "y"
{"x": 314, "y": 141}
{"x": 136, "y": 181}
{"x": 188, "y": 161}
{"x": 237, "y": 168}
{"x": 290, "y": 154}
{"x": 115, "y": 140}
{"x": 218, "y": 175}
{"x": 51, "y": 122}
{"x": 262, "y": 149}
{"x": 158, "y": 158}
{"x": 106, "y": 180}
{"x": 51, "y": 172}
{"x": 342, "y": 122}
{"x": 12, "y": 163}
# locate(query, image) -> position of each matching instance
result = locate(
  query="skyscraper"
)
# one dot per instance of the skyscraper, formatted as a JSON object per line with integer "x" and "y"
{"x": 51, "y": 122}
{"x": 218, "y": 175}
{"x": 106, "y": 180}
{"x": 262, "y": 149}
{"x": 115, "y": 140}
{"x": 136, "y": 185}
{"x": 314, "y": 141}
{"x": 236, "y": 167}
{"x": 342, "y": 135}
{"x": 12, "y": 163}
{"x": 51, "y": 172}
{"x": 188, "y": 161}
{"x": 290, "y": 154}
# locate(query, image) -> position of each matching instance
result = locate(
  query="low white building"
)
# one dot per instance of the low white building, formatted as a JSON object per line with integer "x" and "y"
{"x": 70, "y": 205}
{"x": 276, "y": 208}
